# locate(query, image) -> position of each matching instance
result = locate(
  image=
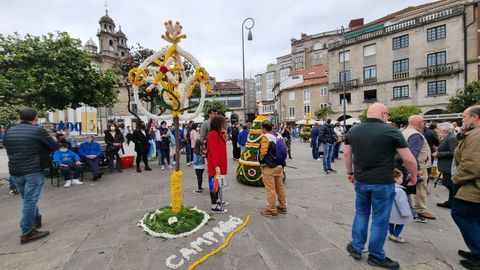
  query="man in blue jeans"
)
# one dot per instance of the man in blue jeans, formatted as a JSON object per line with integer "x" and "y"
{"x": 327, "y": 137}
{"x": 373, "y": 143}
{"x": 26, "y": 165}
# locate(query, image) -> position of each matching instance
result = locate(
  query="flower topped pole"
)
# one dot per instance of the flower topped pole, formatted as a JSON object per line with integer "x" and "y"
{"x": 164, "y": 74}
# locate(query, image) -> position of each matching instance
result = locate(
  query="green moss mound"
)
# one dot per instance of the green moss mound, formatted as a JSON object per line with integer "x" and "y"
{"x": 188, "y": 220}
{"x": 248, "y": 180}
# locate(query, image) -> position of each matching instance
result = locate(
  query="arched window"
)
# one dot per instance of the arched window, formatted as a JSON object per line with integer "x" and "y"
{"x": 110, "y": 42}
{"x": 122, "y": 54}
{"x": 318, "y": 46}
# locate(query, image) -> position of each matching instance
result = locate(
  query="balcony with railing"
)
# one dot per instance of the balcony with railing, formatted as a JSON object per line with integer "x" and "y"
{"x": 376, "y": 32}
{"x": 438, "y": 70}
{"x": 400, "y": 75}
{"x": 369, "y": 80}
{"x": 348, "y": 84}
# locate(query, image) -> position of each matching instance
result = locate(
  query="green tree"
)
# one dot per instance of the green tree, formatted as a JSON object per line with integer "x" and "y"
{"x": 214, "y": 104}
{"x": 51, "y": 72}
{"x": 398, "y": 114}
{"x": 322, "y": 112}
{"x": 466, "y": 98}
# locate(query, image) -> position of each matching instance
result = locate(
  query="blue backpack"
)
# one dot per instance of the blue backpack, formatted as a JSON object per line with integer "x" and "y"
{"x": 277, "y": 152}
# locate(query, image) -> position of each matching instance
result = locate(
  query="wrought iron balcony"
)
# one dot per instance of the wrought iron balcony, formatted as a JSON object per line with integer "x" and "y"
{"x": 400, "y": 75}
{"x": 348, "y": 84}
{"x": 445, "y": 69}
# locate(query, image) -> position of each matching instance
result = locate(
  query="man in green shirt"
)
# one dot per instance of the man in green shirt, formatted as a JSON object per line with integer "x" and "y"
{"x": 371, "y": 146}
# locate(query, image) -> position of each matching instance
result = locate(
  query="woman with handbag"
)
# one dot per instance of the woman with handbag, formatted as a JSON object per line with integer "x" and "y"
{"x": 217, "y": 160}
{"x": 114, "y": 140}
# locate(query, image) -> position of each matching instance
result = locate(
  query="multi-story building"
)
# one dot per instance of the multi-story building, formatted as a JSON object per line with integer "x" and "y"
{"x": 250, "y": 98}
{"x": 472, "y": 28}
{"x": 265, "y": 83}
{"x": 305, "y": 91}
{"x": 311, "y": 50}
{"x": 415, "y": 56}
{"x": 232, "y": 96}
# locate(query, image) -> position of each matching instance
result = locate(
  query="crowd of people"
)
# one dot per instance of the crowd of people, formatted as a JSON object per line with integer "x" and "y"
{"x": 391, "y": 168}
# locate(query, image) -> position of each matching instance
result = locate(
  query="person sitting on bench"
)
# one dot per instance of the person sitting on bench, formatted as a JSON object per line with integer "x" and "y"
{"x": 67, "y": 161}
{"x": 90, "y": 152}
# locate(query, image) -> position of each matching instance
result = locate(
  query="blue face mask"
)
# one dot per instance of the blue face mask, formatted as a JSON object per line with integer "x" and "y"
{"x": 63, "y": 150}
{"x": 88, "y": 140}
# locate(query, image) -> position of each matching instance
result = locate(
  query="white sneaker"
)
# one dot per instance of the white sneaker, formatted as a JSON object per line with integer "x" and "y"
{"x": 68, "y": 183}
{"x": 163, "y": 167}
{"x": 170, "y": 166}
{"x": 77, "y": 182}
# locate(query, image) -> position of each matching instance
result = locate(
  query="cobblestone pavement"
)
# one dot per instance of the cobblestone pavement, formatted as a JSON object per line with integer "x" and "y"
{"x": 94, "y": 226}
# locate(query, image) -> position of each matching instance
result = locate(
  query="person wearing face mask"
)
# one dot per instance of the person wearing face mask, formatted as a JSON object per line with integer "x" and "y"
{"x": 466, "y": 180}
{"x": 327, "y": 137}
{"x": 162, "y": 141}
{"x": 141, "y": 139}
{"x": 90, "y": 152}
{"x": 68, "y": 162}
{"x": 114, "y": 140}
{"x": 444, "y": 155}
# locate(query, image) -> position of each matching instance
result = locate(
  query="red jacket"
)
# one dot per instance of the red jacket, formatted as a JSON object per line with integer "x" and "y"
{"x": 216, "y": 153}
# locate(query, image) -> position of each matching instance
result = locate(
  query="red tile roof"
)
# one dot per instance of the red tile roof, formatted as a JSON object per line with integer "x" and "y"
{"x": 312, "y": 75}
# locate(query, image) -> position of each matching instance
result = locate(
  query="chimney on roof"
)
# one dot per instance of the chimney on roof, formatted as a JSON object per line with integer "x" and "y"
{"x": 355, "y": 23}
{"x": 304, "y": 35}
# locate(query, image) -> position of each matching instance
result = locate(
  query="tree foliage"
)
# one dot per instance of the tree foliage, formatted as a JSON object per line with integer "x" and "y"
{"x": 214, "y": 104}
{"x": 323, "y": 112}
{"x": 468, "y": 97}
{"x": 51, "y": 72}
{"x": 398, "y": 114}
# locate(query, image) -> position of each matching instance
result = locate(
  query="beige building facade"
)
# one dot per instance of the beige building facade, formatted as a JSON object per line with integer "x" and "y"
{"x": 304, "y": 92}
{"x": 472, "y": 27}
{"x": 412, "y": 57}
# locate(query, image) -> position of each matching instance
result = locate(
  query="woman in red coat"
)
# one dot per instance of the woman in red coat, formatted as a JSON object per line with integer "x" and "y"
{"x": 217, "y": 157}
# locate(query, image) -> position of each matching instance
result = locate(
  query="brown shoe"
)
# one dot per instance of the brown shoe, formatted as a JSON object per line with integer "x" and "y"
{"x": 32, "y": 236}
{"x": 281, "y": 210}
{"x": 427, "y": 215}
{"x": 268, "y": 213}
{"x": 38, "y": 224}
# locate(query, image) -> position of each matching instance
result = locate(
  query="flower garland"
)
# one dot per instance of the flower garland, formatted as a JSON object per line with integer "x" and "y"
{"x": 142, "y": 224}
{"x": 176, "y": 191}
{"x": 169, "y": 77}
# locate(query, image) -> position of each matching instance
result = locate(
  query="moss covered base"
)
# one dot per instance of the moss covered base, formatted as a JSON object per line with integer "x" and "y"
{"x": 165, "y": 223}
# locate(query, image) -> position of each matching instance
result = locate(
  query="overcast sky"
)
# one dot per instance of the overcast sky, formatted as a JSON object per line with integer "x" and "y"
{"x": 213, "y": 27}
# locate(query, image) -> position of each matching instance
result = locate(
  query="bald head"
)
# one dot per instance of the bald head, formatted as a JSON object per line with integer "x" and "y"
{"x": 378, "y": 111}
{"x": 417, "y": 122}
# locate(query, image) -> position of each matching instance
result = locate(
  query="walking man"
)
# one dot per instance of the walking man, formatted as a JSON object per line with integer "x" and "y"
{"x": 466, "y": 204}
{"x": 327, "y": 137}
{"x": 372, "y": 146}
{"x": 28, "y": 149}
{"x": 420, "y": 149}
{"x": 272, "y": 175}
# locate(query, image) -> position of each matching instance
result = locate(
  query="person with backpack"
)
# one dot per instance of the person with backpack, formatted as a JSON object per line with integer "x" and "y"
{"x": 273, "y": 153}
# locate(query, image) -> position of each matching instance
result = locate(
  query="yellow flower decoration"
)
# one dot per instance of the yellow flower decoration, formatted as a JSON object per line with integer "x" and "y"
{"x": 176, "y": 191}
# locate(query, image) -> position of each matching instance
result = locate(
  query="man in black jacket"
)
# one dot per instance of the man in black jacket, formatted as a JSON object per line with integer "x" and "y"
{"x": 28, "y": 149}
{"x": 327, "y": 137}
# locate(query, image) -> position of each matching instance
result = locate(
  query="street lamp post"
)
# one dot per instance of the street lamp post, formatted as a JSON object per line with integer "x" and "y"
{"x": 344, "y": 82}
{"x": 249, "y": 28}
